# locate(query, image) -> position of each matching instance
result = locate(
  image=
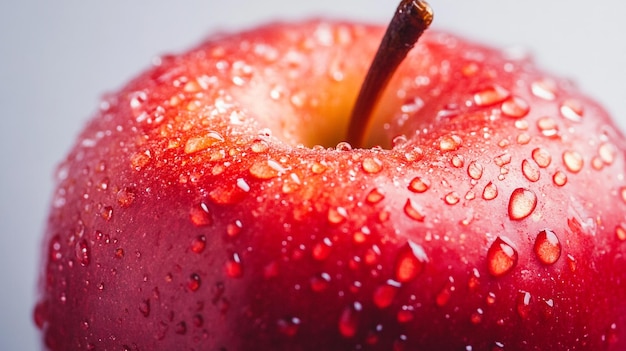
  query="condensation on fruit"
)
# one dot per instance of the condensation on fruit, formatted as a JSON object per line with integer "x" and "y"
{"x": 515, "y": 107}
{"x": 573, "y": 161}
{"x": 450, "y": 143}
{"x": 194, "y": 281}
{"x": 385, "y": 294}
{"x": 419, "y": 185}
{"x": 491, "y": 96}
{"x": 409, "y": 262}
{"x": 548, "y": 126}
{"x": 234, "y": 267}
{"x": 523, "y": 304}
{"x": 572, "y": 110}
{"x": 542, "y": 157}
{"x": 320, "y": 282}
{"x": 530, "y": 169}
{"x": 83, "y": 253}
{"x": 322, "y": 250}
{"x": 501, "y": 257}
{"x": 372, "y": 165}
{"x": 547, "y": 247}
{"x": 490, "y": 191}
{"x": 349, "y": 320}
{"x": 200, "y": 215}
{"x": 521, "y": 203}
{"x": 413, "y": 210}
{"x": 559, "y": 178}
{"x": 289, "y": 326}
{"x": 198, "y": 244}
{"x": 475, "y": 170}
{"x": 544, "y": 89}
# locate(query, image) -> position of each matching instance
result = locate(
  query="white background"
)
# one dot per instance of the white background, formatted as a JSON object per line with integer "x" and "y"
{"x": 58, "y": 57}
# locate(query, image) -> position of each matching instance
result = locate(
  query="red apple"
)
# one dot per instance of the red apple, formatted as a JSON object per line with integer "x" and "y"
{"x": 213, "y": 203}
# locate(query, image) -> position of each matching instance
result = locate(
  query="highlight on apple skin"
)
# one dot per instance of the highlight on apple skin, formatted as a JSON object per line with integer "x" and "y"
{"x": 214, "y": 203}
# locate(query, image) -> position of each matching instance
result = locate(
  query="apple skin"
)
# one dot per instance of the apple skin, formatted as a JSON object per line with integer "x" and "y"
{"x": 195, "y": 213}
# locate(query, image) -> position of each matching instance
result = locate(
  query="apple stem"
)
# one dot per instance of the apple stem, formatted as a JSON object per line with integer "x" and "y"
{"x": 411, "y": 19}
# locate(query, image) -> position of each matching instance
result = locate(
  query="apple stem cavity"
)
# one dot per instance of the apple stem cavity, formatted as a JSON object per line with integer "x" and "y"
{"x": 411, "y": 19}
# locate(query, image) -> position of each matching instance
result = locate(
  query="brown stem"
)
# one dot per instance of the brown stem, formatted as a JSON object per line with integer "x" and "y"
{"x": 411, "y": 19}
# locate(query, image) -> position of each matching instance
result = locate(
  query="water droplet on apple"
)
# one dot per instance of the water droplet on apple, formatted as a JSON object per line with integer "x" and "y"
{"x": 202, "y": 142}
{"x": 490, "y": 191}
{"x": 180, "y": 328}
{"x": 547, "y": 126}
{"x": 406, "y": 314}
{"x": 457, "y": 161}
{"x": 54, "y": 249}
{"x": 452, "y": 198}
{"x": 523, "y": 138}
{"x": 490, "y": 299}
{"x": 502, "y": 159}
{"x": 200, "y": 215}
{"x": 336, "y": 215}
{"x": 322, "y": 250}
{"x": 409, "y": 262}
{"x": 572, "y": 109}
{"x": 443, "y": 296}
{"x": 106, "y": 213}
{"x": 374, "y": 196}
{"x": 501, "y": 257}
{"x": 450, "y": 143}
{"x": 474, "y": 280}
{"x": 320, "y": 282}
{"x": 544, "y": 89}
{"x": 234, "y": 268}
{"x": 607, "y": 152}
{"x": 343, "y": 146}
{"x": 522, "y": 203}
{"x": 475, "y": 170}
{"x": 491, "y": 96}
{"x": 40, "y": 315}
{"x": 198, "y": 244}
{"x": 125, "y": 197}
{"x": 419, "y": 185}
{"x": 523, "y": 304}
{"x": 144, "y": 307}
{"x": 542, "y": 157}
{"x": 83, "y": 253}
{"x": 119, "y": 253}
{"x": 559, "y": 178}
{"x": 477, "y": 316}
{"x": 573, "y": 161}
{"x": 349, "y": 320}
{"x": 620, "y": 232}
{"x": 372, "y": 165}
{"x": 194, "y": 282}
{"x": 234, "y": 229}
{"x": 530, "y": 170}
{"x": 413, "y": 210}
{"x": 266, "y": 169}
{"x": 385, "y": 294}
{"x": 547, "y": 247}
{"x": 259, "y": 146}
{"x": 289, "y": 326}
{"x": 515, "y": 107}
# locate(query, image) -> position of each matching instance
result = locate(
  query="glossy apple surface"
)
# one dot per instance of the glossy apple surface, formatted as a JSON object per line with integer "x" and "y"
{"x": 198, "y": 211}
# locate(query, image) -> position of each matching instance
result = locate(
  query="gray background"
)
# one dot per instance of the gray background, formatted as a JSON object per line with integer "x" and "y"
{"x": 58, "y": 57}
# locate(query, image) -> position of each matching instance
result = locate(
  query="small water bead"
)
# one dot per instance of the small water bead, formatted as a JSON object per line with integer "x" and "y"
{"x": 477, "y": 316}
{"x": 202, "y": 142}
{"x": 444, "y": 295}
{"x": 620, "y": 232}
{"x": 259, "y": 146}
{"x": 266, "y": 169}
{"x": 419, "y": 185}
{"x": 501, "y": 257}
{"x": 234, "y": 268}
{"x": 450, "y": 143}
{"x": 343, "y": 146}
{"x": 490, "y": 191}
{"x": 544, "y": 89}
{"x": 413, "y": 210}
{"x": 452, "y": 198}
{"x": 542, "y": 157}
{"x": 523, "y": 138}
{"x": 409, "y": 262}
{"x": 522, "y": 203}
{"x": 622, "y": 193}
{"x": 502, "y": 160}
{"x": 475, "y": 170}
{"x": 547, "y": 126}
{"x": 572, "y": 109}
{"x": 515, "y": 107}
{"x": 530, "y": 170}
{"x": 200, "y": 215}
{"x": 198, "y": 244}
{"x": 180, "y": 328}
{"x": 337, "y": 215}
{"x": 406, "y": 314}
{"x": 372, "y": 165}
{"x": 573, "y": 161}
{"x": 386, "y": 293}
{"x": 322, "y": 250}
{"x": 144, "y": 307}
{"x": 607, "y": 152}
{"x": 523, "y": 304}
{"x": 289, "y": 326}
{"x": 106, "y": 213}
{"x": 457, "y": 161}
{"x": 55, "y": 253}
{"x": 559, "y": 178}
{"x": 374, "y": 196}
{"x": 83, "y": 253}
{"x": 349, "y": 320}
{"x": 547, "y": 247}
{"x": 234, "y": 229}
{"x": 125, "y": 197}
{"x": 194, "y": 282}
{"x": 320, "y": 282}
{"x": 491, "y": 96}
